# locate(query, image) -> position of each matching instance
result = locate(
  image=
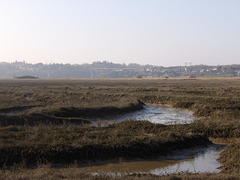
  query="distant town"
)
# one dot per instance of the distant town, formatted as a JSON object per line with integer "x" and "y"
{"x": 104, "y": 69}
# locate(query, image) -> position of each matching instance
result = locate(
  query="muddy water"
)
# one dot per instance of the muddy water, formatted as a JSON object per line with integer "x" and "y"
{"x": 198, "y": 160}
{"x": 194, "y": 161}
{"x": 204, "y": 161}
{"x": 154, "y": 114}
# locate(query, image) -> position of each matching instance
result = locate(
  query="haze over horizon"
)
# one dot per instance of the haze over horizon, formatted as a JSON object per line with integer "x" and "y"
{"x": 157, "y": 32}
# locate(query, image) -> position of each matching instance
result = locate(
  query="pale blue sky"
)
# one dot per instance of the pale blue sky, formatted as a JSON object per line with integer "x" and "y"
{"x": 158, "y": 32}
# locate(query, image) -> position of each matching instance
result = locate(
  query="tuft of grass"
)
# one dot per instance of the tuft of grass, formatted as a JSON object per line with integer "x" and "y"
{"x": 230, "y": 159}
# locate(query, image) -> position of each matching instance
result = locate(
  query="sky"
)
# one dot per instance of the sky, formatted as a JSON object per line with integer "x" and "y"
{"x": 157, "y": 32}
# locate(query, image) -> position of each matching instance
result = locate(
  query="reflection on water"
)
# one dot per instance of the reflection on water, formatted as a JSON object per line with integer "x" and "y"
{"x": 201, "y": 162}
{"x": 154, "y": 114}
{"x": 194, "y": 161}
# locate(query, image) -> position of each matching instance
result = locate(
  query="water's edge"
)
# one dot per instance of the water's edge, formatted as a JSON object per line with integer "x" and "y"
{"x": 195, "y": 160}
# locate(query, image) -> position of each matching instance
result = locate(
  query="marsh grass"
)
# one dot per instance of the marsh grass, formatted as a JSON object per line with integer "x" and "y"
{"x": 215, "y": 104}
{"x": 231, "y": 159}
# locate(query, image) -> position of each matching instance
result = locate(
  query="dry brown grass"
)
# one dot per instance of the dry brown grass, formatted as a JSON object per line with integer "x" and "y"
{"x": 215, "y": 102}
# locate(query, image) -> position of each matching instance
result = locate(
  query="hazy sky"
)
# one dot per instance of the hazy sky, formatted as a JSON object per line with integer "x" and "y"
{"x": 158, "y": 32}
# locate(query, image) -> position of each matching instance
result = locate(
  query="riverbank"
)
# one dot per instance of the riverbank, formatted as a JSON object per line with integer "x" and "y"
{"x": 66, "y": 145}
{"x": 62, "y": 115}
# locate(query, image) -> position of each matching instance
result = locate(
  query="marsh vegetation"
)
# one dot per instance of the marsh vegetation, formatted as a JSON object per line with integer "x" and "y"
{"x": 46, "y": 123}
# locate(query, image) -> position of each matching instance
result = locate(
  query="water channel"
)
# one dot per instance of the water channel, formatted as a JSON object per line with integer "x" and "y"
{"x": 198, "y": 160}
{"x": 155, "y": 114}
{"x": 191, "y": 160}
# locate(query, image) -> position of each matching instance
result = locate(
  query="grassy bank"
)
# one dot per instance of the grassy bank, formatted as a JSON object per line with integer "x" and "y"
{"x": 66, "y": 145}
{"x": 230, "y": 159}
{"x": 63, "y": 115}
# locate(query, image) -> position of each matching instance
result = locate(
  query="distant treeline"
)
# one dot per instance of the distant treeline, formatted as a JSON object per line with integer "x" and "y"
{"x": 106, "y": 69}
{"x": 26, "y": 77}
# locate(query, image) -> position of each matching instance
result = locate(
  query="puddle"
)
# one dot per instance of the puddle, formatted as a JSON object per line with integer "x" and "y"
{"x": 154, "y": 114}
{"x": 201, "y": 160}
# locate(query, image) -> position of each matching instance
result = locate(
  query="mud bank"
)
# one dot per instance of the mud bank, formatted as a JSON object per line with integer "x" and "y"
{"x": 38, "y": 119}
{"x": 62, "y": 116}
{"x": 97, "y": 112}
{"x": 66, "y": 155}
